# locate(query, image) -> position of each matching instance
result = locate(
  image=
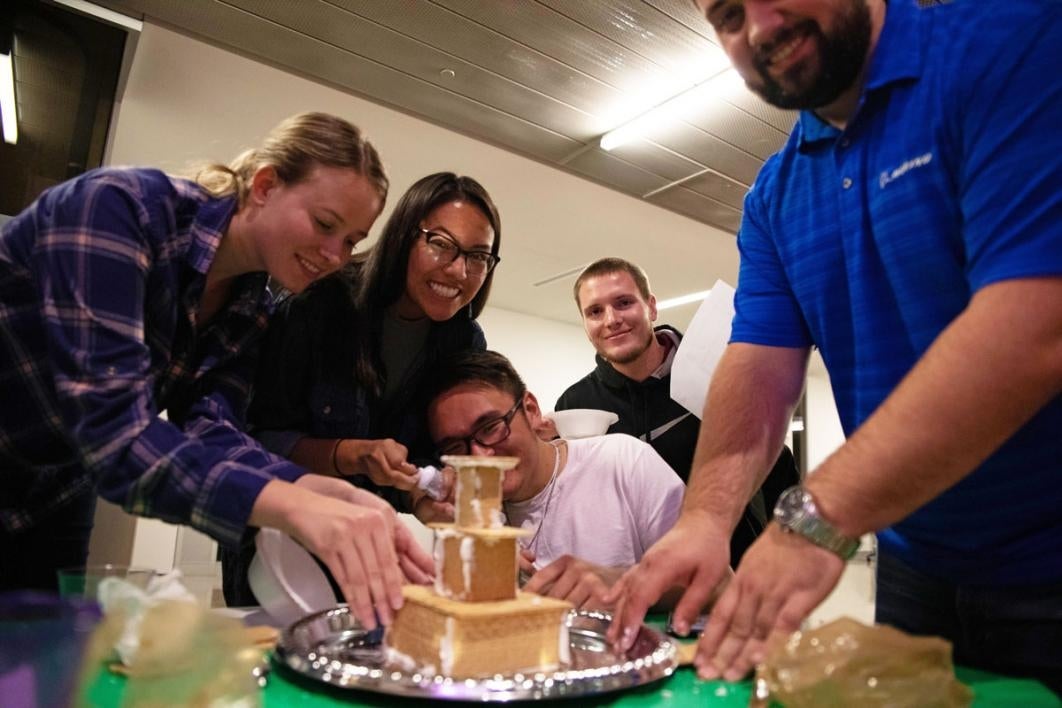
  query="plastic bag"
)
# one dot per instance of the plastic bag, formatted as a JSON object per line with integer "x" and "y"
{"x": 187, "y": 656}
{"x": 846, "y": 663}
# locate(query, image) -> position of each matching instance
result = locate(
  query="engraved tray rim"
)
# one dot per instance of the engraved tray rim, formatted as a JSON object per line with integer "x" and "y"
{"x": 652, "y": 657}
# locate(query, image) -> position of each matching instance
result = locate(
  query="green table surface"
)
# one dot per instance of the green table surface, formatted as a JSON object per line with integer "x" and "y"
{"x": 681, "y": 689}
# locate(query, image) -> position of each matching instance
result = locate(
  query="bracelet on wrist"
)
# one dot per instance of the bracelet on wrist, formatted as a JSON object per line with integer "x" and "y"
{"x": 335, "y": 462}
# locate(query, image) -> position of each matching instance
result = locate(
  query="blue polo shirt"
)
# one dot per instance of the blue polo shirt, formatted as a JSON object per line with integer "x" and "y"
{"x": 868, "y": 242}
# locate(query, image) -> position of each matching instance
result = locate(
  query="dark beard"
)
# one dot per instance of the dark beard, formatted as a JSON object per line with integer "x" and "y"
{"x": 841, "y": 58}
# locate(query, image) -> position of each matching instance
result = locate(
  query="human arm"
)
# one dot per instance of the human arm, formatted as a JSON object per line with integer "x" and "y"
{"x": 750, "y": 400}
{"x": 299, "y": 358}
{"x": 382, "y": 461}
{"x": 929, "y": 434}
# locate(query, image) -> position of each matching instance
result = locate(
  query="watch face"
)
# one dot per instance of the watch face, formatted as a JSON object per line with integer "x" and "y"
{"x": 790, "y": 505}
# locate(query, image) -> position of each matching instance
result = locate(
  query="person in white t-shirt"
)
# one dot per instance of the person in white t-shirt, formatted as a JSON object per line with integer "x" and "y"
{"x": 594, "y": 506}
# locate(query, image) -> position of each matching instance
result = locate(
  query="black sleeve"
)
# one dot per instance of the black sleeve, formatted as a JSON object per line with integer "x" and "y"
{"x": 279, "y": 411}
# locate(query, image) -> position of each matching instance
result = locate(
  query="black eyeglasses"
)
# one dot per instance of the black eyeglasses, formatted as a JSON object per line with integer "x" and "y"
{"x": 491, "y": 433}
{"x": 446, "y": 250}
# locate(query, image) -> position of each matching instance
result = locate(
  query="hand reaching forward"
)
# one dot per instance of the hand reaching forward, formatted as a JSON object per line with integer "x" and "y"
{"x": 350, "y": 532}
{"x": 781, "y": 578}
{"x": 580, "y": 583}
{"x": 416, "y": 564}
{"x": 382, "y": 461}
{"x": 694, "y": 554}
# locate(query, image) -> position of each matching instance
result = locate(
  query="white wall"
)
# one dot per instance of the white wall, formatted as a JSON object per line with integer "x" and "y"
{"x": 823, "y": 425}
{"x": 550, "y": 356}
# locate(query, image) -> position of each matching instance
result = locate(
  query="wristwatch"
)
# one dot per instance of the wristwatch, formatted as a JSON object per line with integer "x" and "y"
{"x": 796, "y": 513}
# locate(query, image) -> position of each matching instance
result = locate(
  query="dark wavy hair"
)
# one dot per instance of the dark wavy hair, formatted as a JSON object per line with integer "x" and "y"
{"x": 379, "y": 276}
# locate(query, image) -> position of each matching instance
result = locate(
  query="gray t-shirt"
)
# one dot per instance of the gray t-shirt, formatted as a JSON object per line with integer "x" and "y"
{"x": 614, "y": 498}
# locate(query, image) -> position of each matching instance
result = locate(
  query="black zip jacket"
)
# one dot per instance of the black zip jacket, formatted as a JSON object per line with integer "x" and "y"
{"x": 647, "y": 411}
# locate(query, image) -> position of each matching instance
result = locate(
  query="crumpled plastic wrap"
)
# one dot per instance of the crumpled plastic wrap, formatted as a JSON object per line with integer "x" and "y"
{"x": 847, "y": 663}
{"x": 184, "y": 655}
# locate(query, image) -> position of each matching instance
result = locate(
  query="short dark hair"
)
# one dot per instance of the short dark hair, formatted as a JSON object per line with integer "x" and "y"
{"x": 485, "y": 368}
{"x": 607, "y": 266}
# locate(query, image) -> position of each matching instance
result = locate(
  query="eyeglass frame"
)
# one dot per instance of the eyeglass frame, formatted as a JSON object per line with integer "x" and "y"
{"x": 506, "y": 420}
{"x": 428, "y": 233}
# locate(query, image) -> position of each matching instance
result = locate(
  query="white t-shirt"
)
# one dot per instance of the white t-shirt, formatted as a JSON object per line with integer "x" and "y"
{"x": 613, "y": 499}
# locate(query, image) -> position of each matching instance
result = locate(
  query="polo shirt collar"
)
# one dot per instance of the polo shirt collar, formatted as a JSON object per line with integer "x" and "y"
{"x": 897, "y": 57}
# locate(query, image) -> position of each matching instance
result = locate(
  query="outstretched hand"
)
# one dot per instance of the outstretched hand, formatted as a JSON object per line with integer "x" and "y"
{"x": 581, "y": 583}
{"x": 416, "y": 564}
{"x": 694, "y": 554}
{"x": 781, "y": 579}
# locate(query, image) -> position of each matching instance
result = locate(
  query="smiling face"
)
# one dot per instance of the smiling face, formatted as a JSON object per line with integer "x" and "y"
{"x": 304, "y": 231}
{"x": 461, "y": 411}
{"x": 437, "y": 289}
{"x": 616, "y": 316}
{"x": 801, "y": 54}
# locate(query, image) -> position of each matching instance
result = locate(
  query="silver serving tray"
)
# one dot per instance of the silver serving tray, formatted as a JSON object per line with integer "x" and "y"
{"x": 333, "y": 648}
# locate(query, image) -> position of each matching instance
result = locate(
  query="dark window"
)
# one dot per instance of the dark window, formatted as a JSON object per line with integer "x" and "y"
{"x": 66, "y": 72}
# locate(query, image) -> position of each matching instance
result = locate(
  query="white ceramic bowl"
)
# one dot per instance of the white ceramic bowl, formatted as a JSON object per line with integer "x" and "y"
{"x": 286, "y": 580}
{"x": 582, "y": 422}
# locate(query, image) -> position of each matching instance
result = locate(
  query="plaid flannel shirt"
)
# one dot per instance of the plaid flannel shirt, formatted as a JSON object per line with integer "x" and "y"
{"x": 100, "y": 281}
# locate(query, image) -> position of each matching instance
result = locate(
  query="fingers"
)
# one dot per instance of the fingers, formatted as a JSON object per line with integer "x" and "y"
{"x": 347, "y": 569}
{"x": 541, "y": 580}
{"x": 413, "y": 572}
{"x": 449, "y": 487}
{"x": 382, "y": 574}
{"x": 642, "y": 587}
{"x": 617, "y": 596}
{"x": 403, "y": 476}
{"x": 526, "y": 561}
{"x": 766, "y": 617}
{"x": 714, "y": 632}
{"x": 408, "y": 548}
{"x": 692, "y": 603}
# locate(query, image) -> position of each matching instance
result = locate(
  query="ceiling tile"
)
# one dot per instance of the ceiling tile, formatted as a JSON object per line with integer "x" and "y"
{"x": 699, "y": 207}
{"x": 718, "y": 187}
{"x": 656, "y": 159}
{"x": 603, "y": 167}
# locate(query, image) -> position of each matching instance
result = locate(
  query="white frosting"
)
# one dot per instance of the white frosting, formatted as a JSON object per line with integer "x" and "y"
{"x": 564, "y": 646}
{"x": 438, "y": 552}
{"x": 401, "y": 660}
{"x": 446, "y": 648}
{"x": 477, "y": 511}
{"x": 468, "y": 560}
{"x": 497, "y": 519}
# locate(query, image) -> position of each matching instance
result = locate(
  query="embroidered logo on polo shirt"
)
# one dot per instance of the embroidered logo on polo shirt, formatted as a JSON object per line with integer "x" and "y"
{"x": 914, "y": 163}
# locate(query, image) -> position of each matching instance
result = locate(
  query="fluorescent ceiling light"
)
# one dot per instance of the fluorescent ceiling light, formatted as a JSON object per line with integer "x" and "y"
{"x": 694, "y": 99}
{"x": 7, "y": 98}
{"x": 682, "y": 300}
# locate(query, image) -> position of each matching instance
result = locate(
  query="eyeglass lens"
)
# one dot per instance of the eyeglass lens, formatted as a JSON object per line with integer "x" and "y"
{"x": 445, "y": 249}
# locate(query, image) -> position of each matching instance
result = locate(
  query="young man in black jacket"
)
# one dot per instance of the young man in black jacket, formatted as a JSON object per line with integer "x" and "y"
{"x": 633, "y": 380}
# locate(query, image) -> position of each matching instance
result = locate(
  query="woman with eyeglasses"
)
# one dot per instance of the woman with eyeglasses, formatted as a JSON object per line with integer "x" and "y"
{"x": 340, "y": 383}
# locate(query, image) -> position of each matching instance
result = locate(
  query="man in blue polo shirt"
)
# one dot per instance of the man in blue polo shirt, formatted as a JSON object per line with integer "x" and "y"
{"x": 912, "y": 230}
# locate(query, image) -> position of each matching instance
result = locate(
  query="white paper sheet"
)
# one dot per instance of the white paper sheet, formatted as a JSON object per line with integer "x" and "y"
{"x": 701, "y": 348}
